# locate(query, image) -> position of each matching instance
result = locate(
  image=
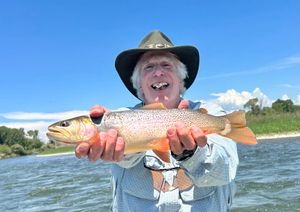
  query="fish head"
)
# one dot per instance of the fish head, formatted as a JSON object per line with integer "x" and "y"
{"x": 72, "y": 131}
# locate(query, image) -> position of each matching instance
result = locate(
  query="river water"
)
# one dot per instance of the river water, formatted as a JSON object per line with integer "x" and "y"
{"x": 268, "y": 179}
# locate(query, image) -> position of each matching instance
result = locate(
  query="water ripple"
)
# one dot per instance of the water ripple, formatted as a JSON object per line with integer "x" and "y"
{"x": 268, "y": 179}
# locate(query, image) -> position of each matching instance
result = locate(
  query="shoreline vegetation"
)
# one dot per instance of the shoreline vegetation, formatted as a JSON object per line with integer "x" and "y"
{"x": 69, "y": 150}
{"x": 278, "y": 136}
{"x": 282, "y": 120}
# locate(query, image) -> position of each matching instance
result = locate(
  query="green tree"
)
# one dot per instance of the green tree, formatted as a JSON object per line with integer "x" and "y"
{"x": 11, "y": 136}
{"x": 33, "y": 144}
{"x": 285, "y": 106}
{"x": 4, "y": 149}
{"x": 16, "y": 136}
{"x": 33, "y": 134}
{"x": 253, "y": 105}
{"x": 18, "y": 149}
{"x": 4, "y": 131}
{"x": 267, "y": 111}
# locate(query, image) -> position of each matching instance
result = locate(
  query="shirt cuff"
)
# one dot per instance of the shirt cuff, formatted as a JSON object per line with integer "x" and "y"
{"x": 199, "y": 156}
{"x": 184, "y": 155}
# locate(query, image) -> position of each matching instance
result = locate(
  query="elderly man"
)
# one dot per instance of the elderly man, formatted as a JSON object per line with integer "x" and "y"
{"x": 200, "y": 175}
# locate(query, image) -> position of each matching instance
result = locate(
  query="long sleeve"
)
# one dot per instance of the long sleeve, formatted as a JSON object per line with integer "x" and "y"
{"x": 130, "y": 160}
{"x": 214, "y": 164}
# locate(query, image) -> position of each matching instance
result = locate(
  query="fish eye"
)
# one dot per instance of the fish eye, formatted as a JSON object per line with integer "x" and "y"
{"x": 64, "y": 124}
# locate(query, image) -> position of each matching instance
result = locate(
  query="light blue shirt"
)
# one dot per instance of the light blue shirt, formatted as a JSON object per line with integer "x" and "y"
{"x": 211, "y": 171}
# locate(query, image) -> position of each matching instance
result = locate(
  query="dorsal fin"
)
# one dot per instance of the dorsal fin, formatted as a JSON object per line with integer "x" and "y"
{"x": 157, "y": 105}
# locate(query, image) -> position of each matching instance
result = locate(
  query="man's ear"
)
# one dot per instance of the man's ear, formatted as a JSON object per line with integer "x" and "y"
{"x": 142, "y": 92}
{"x": 181, "y": 84}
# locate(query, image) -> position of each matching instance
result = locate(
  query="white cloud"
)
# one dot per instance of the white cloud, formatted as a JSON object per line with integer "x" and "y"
{"x": 297, "y": 101}
{"x": 234, "y": 100}
{"x": 233, "y": 97}
{"x": 285, "y": 97}
{"x": 43, "y": 116}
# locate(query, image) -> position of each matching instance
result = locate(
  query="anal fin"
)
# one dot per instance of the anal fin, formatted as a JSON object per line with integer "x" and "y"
{"x": 161, "y": 149}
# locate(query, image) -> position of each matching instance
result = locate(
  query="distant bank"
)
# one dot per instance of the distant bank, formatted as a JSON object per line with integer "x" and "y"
{"x": 259, "y": 137}
{"x": 55, "y": 154}
{"x": 280, "y": 135}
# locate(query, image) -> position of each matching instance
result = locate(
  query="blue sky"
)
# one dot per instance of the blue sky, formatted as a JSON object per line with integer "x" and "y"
{"x": 58, "y": 56}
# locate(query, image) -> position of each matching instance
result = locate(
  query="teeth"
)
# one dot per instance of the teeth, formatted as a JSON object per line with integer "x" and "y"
{"x": 159, "y": 85}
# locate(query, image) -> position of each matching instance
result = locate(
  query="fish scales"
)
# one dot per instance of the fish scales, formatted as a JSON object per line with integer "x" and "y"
{"x": 139, "y": 127}
{"x": 144, "y": 129}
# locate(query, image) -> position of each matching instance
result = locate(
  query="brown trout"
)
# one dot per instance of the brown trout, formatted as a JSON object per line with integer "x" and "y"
{"x": 146, "y": 128}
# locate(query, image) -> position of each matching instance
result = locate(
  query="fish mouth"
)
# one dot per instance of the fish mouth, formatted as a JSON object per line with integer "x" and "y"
{"x": 53, "y": 130}
{"x": 160, "y": 85}
{"x": 54, "y": 134}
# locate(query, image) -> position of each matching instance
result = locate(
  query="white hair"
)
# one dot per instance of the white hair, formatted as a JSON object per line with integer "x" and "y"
{"x": 180, "y": 70}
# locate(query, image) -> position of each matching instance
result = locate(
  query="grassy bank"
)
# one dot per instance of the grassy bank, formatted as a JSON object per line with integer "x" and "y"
{"x": 62, "y": 149}
{"x": 274, "y": 124}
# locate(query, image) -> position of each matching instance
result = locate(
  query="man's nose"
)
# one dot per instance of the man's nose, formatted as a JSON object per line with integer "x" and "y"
{"x": 158, "y": 70}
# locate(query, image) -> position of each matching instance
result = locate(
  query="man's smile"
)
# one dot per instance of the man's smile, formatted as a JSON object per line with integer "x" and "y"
{"x": 159, "y": 85}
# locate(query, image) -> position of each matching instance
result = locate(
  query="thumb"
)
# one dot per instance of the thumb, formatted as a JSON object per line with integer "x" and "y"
{"x": 97, "y": 111}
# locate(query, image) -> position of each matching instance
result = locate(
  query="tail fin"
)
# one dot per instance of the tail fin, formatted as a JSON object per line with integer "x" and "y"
{"x": 237, "y": 119}
{"x": 242, "y": 135}
{"x": 239, "y": 132}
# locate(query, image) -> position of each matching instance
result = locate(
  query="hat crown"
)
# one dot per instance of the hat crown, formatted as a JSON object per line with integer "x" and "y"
{"x": 156, "y": 40}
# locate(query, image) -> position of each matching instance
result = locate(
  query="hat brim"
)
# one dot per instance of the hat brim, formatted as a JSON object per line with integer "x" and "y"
{"x": 126, "y": 62}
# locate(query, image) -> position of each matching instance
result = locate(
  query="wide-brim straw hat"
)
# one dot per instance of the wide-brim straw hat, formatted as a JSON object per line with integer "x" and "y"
{"x": 157, "y": 41}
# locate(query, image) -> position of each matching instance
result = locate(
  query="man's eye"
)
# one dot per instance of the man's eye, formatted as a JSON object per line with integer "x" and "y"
{"x": 166, "y": 65}
{"x": 149, "y": 67}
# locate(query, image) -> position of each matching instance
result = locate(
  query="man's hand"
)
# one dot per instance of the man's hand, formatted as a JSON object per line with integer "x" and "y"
{"x": 108, "y": 147}
{"x": 182, "y": 138}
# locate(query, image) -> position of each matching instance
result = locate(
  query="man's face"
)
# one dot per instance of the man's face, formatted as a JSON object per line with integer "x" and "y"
{"x": 159, "y": 80}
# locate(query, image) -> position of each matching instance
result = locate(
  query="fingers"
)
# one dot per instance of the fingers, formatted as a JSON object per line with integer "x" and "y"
{"x": 82, "y": 150}
{"x": 199, "y": 136}
{"x": 119, "y": 150}
{"x": 110, "y": 141}
{"x": 96, "y": 149}
{"x": 175, "y": 144}
{"x": 182, "y": 138}
{"x": 97, "y": 111}
{"x": 185, "y": 136}
{"x": 108, "y": 147}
